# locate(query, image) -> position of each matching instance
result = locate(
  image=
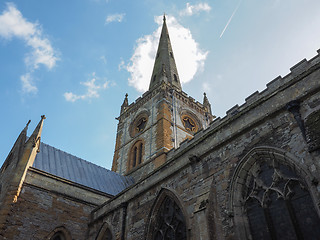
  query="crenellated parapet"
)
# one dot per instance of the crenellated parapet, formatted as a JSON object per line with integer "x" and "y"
{"x": 303, "y": 79}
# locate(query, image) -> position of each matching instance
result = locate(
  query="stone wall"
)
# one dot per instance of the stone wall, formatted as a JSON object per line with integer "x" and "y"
{"x": 204, "y": 172}
{"x": 46, "y": 203}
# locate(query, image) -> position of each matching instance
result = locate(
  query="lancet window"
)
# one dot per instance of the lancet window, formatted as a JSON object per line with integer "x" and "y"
{"x": 136, "y": 154}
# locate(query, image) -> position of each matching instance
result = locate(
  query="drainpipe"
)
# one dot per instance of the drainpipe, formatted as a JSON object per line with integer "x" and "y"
{"x": 174, "y": 118}
{"x": 151, "y": 128}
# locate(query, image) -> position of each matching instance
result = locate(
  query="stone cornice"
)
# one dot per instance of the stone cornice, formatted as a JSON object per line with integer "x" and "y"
{"x": 41, "y": 179}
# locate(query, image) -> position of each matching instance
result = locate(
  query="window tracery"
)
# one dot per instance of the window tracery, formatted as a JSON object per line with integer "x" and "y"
{"x": 170, "y": 223}
{"x": 277, "y": 204}
{"x": 139, "y": 124}
{"x": 189, "y": 121}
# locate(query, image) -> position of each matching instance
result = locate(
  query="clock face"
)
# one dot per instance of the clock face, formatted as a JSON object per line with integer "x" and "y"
{"x": 190, "y": 122}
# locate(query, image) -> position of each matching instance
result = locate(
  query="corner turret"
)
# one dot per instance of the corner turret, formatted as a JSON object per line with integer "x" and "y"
{"x": 206, "y": 103}
{"x": 124, "y": 104}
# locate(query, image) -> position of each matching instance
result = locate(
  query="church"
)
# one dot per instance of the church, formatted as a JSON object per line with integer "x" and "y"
{"x": 178, "y": 172}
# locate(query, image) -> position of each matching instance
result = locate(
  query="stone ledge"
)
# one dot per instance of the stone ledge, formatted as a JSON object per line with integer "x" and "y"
{"x": 49, "y": 182}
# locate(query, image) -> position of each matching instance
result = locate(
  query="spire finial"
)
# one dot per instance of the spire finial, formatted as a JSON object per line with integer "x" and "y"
{"x": 28, "y": 123}
{"x": 164, "y": 17}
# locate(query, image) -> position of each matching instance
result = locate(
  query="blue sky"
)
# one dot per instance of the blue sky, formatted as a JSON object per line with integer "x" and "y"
{"x": 74, "y": 60}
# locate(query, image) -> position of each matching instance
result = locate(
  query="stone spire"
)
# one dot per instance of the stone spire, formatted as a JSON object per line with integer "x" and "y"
{"x": 206, "y": 103}
{"x": 165, "y": 66}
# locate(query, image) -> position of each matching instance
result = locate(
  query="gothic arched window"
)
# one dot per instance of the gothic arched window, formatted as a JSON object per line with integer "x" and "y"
{"x": 275, "y": 201}
{"x": 140, "y": 153}
{"x": 175, "y": 77}
{"x": 168, "y": 222}
{"x": 104, "y": 233}
{"x": 58, "y": 236}
{"x": 60, "y": 233}
{"x": 107, "y": 235}
{"x": 136, "y": 154}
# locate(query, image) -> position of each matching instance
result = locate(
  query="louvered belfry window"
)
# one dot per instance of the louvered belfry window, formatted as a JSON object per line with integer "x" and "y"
{"x": 278, "y": 204}
{"x": 170, "y": 222}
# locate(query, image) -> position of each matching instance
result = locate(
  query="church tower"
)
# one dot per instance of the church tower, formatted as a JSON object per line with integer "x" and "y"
{"x": 160, "y": 120}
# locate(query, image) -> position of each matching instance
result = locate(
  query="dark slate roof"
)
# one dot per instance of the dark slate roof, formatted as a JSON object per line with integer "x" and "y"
{"x": 65, "y": 165}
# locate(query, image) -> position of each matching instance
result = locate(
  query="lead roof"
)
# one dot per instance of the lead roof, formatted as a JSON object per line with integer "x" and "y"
{"x": 65, "y": 165}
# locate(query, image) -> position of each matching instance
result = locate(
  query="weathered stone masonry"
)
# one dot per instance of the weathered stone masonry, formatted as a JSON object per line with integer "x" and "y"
{"x": 202, "y": 172}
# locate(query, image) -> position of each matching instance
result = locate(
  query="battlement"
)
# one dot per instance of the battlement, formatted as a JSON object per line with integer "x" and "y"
{"x": 257, "y": 106}
{"x": 132, "y": 108}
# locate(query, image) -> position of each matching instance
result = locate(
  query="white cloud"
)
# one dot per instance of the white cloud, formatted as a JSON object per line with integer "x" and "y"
{"x": 195, "y": 9}
{"x": 93, "y": 89}
{"x": 103, "y": 59}
{"x": 206, "y": 86}
{"x": 28, "y": 85}
{"x": 189, "y": 57}
{"x": 118, "y": 17}
{"x": 121, "y": 65}
{"x": 13, "y": 24}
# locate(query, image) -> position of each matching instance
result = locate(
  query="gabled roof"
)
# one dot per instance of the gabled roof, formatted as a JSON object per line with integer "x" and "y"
{"x": 65, "y": 165}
